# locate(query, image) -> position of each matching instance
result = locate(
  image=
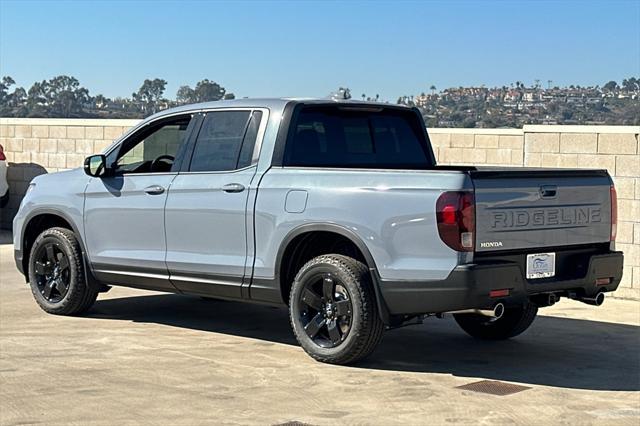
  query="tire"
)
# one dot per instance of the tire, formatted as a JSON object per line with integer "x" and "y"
{"x": 56, "y": 274}
{"x": 4, "y": 200}
{"x": 346, "y": 329}
{"x": 513, "y": 322}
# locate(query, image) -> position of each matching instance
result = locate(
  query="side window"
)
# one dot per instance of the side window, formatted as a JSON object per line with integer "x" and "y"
{"x": 153, "y": 150}
{"x": 246, "y": 152}
{"x": 225, "y": 141}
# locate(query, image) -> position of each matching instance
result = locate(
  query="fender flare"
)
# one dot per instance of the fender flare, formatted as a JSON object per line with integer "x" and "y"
{"x": 351, "y": 236}
{"x": 50, "y": 211}
{"x": 89, "y": 277}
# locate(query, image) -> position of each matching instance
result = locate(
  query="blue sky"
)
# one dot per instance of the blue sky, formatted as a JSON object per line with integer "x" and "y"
{"x": 311, "y": 48}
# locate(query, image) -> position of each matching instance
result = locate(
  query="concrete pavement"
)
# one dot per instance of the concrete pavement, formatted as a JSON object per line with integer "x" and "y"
{"x": 150, "y": 358}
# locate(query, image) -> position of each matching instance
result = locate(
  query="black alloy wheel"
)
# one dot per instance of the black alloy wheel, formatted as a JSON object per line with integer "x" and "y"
{"x": 326, "y": 310}
{"x": 333, "y": 311}
{"x": 57, "y": 275}
{"x": 52, "y": 272}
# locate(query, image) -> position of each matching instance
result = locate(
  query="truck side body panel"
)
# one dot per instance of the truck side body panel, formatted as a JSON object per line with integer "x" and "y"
{"x": 391, "y": 212}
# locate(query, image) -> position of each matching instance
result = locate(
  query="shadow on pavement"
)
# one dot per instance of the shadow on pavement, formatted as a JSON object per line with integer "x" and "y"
{"x": 559, "y": 352}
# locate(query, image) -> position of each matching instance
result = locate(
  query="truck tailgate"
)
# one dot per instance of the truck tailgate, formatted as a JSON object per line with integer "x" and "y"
{"x": 531, "y": 209}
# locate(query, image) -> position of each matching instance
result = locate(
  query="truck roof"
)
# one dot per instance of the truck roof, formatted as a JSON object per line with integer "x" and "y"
{"x": 270, "y": 103}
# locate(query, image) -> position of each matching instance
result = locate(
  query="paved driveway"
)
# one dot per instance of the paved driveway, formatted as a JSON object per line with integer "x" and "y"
{"x": 144, "y": 357}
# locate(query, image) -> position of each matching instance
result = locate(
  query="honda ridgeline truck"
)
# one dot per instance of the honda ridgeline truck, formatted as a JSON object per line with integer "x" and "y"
{"x": 335, "y": 208}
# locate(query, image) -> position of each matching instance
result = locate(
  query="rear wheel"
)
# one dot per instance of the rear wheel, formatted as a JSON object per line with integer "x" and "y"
{"x": 333, "y": 311}
{"x": 56, "y": 274}
{"x": 4, "y": 200}
{"x": 514, "y": 321}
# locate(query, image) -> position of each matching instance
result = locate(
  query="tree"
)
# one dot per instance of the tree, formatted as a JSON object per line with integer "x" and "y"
{"x": 150, "y": 94}
{"x": 12, "y": 104}
{"x": 207, "y": 91}
{"x": 185, "y": 95}
{"x": 37, "y": 99}
{"x": 610, "y": 86}
{"x": 5, "y": 84}
{"x": 433, "y": 89}
{"x": 631, "y": 84}
{"x": 65, "y": 97}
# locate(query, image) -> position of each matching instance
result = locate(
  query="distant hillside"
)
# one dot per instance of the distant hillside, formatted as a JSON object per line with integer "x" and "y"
{"x": 507, "y": 106}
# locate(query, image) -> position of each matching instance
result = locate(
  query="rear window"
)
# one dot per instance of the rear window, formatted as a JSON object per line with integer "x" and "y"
{"x": 352, "y": 138}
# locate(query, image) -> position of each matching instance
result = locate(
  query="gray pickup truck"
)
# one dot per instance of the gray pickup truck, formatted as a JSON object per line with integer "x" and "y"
{"x": 335, "y": 208}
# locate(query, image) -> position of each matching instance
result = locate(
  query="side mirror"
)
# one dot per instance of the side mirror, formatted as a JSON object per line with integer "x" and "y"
{"x": 95, "y": 165}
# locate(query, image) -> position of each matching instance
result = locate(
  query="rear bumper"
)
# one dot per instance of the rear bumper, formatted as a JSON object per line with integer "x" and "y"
{"x": 468, "y": 286}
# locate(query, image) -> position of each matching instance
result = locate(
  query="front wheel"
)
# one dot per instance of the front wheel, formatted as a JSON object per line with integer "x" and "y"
{"x": 56, "y": 274}
{"x": 333, "y": 310}
{"x": 514, "y": 321}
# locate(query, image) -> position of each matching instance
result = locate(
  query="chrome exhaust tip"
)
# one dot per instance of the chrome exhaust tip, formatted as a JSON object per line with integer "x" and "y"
{"x": 495, "y": 313}
{"x": 498, "y": 311}
{"x": 596, "y": 300}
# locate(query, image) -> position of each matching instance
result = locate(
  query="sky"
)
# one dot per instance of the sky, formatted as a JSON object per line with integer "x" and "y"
{"x": 305, "y": 48}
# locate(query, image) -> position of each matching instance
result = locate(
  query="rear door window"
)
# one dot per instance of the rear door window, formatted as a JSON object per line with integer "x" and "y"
{"x": 225, "y": 141}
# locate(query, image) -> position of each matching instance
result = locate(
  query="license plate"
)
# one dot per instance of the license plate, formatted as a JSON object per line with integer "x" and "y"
{"x": 541, "y": 265}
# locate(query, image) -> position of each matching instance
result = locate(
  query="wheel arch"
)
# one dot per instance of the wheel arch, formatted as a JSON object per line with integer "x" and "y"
{"x": 44, "y": 218}
{"x": 291, "y": 252}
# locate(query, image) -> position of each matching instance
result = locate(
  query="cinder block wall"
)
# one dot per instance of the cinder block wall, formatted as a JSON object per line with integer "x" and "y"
{"x": 37, "y": 146}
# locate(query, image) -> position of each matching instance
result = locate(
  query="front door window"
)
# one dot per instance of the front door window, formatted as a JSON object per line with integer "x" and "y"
{"x": 153, "y": 150}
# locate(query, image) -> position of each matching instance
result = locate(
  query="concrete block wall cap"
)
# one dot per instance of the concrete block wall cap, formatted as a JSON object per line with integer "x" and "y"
{"x": 473, "y": 131}
{"x": 541, "y": 128}
{"x": 101, "y": 122}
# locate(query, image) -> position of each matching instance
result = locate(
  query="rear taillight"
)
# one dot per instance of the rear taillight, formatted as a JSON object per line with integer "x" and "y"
{"x": 456, "y": 217}
{"x": 2, "y": 156}
{"x": 614, "y": 213}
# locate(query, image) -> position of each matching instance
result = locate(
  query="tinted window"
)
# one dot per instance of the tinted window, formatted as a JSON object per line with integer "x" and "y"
{"x": 249, "y": 140}
{"x": 335, "y": 137}
{"x": 153, "y": 149}
{"x": 225, "y": 141}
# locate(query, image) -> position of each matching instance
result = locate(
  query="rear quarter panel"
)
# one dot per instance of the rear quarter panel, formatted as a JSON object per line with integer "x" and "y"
{"x": 391, "y": 212}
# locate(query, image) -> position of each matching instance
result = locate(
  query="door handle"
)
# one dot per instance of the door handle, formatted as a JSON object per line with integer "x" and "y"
{"x": 233, "y": 187}
{"x": 154, "y": 190}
